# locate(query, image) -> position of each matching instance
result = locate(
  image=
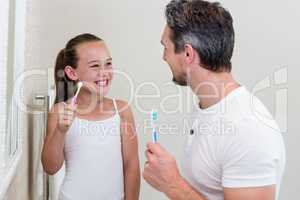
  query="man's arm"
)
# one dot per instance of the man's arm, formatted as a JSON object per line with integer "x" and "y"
{"x": 162, "y": 173}
{"x": 257, "y": 193}
{"x": 183, "y": 191}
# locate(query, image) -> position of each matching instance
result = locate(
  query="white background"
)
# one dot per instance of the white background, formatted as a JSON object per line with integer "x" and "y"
{"x": 267, "y": 39}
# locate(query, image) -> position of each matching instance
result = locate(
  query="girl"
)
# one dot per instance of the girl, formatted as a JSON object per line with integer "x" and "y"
{"x": 94, "y": 136}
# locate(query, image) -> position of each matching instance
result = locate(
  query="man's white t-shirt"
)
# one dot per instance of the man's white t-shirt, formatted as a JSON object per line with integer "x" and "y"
{"x": 232, "y": 144}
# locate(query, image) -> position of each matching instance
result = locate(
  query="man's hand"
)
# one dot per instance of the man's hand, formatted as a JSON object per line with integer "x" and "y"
{"x": 160, "y": 170}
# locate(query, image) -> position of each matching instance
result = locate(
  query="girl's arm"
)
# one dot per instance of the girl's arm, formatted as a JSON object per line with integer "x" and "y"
{"x": 130, "y": 153}
{"x": 60, "y": 118}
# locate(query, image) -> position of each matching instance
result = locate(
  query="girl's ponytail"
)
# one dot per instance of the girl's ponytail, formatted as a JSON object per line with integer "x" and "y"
{"x": 66, "y": 87}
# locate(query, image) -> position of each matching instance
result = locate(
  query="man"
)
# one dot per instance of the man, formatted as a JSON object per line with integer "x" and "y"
{"x": 243, "y": 156}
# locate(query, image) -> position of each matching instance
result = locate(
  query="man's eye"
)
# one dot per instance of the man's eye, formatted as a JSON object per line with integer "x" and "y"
{"x": 109, "y": 64}
{"x": 93, "y": 66}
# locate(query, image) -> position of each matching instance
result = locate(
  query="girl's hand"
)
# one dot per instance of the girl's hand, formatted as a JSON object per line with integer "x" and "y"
{"x": 66, "y": 116}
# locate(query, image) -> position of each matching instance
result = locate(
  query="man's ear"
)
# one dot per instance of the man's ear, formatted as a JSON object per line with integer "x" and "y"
{"x": 189, "y": 54}
{"x": 71, "y": 73}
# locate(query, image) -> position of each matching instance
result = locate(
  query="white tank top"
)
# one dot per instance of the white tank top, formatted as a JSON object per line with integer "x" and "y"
{"x": 93, "y": 159}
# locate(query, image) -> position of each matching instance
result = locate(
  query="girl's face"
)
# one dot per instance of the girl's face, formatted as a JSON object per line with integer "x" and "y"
{"x": 94, "y": 67}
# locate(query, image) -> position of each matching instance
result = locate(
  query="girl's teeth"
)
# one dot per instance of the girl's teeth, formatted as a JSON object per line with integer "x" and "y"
{"x": 101, "y": 83}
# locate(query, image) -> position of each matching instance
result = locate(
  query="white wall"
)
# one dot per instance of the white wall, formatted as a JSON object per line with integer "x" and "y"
{"x": 266, "y": 40}
{"x": 4, "y": 14}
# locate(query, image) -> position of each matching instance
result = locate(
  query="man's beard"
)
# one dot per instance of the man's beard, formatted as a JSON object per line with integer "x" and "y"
{"x": 180, "y": 81}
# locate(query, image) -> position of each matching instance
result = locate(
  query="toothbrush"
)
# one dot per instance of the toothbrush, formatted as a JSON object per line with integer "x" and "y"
{"x": 79, "y": 85}
{"x": 154, "y": 126}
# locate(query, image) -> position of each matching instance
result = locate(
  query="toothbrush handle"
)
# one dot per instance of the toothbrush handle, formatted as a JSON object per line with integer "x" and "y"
{"x": 73, "y": 101}
{"x": 154, "y": 136}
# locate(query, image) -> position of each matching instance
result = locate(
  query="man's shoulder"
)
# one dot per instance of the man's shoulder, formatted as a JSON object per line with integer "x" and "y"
{"x": 248, "y": 112}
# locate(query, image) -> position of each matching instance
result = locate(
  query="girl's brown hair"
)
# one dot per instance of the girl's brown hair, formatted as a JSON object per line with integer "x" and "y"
{"x": 66, "y": 87}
